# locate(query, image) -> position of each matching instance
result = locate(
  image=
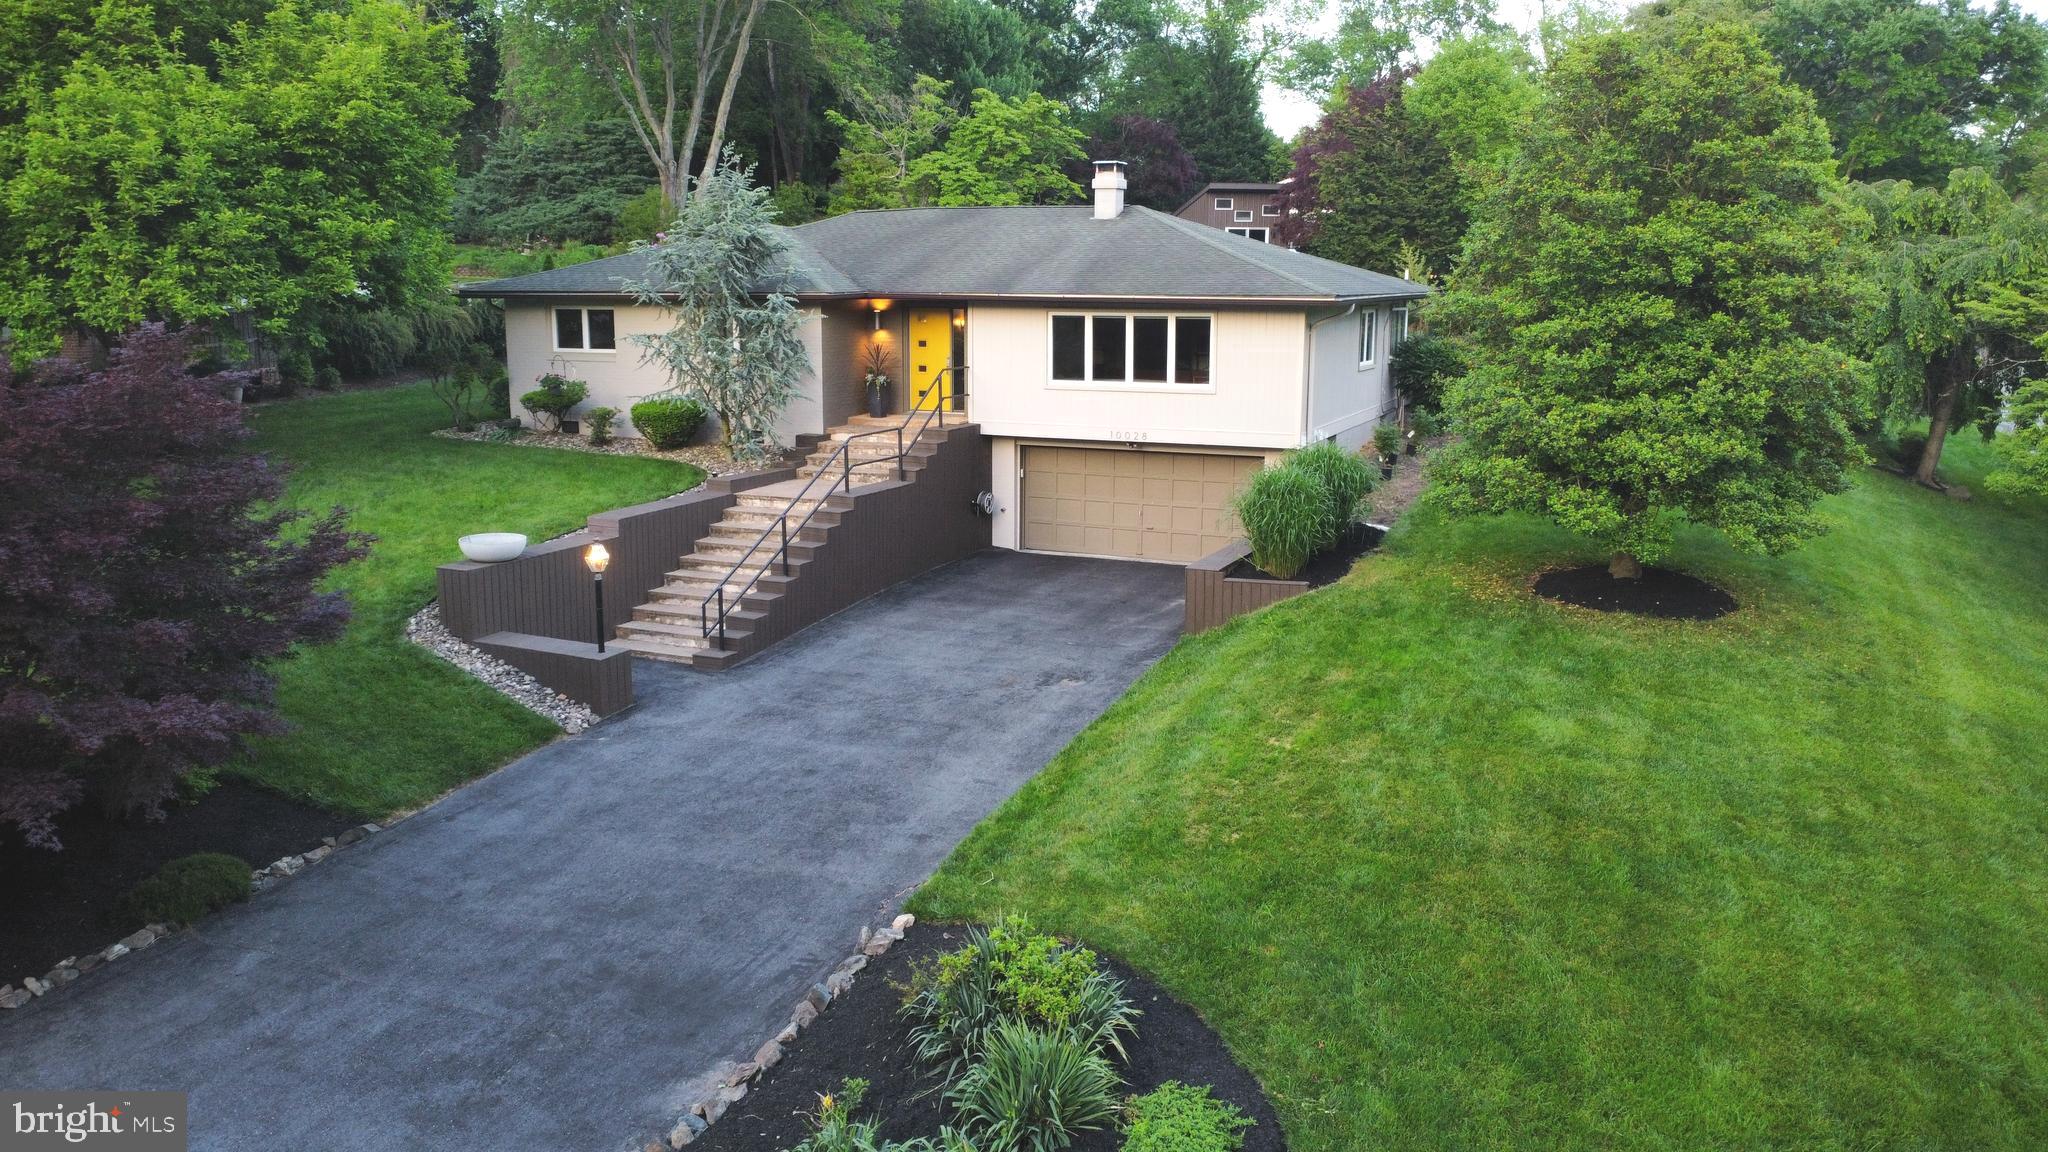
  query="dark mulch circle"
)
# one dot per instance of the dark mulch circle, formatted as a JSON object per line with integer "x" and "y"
{"x": 1660, "y": 592}
{"x": 68, "y": 902}
{"x": 1325, "y": 567}
{"x": 861, "y": 1035}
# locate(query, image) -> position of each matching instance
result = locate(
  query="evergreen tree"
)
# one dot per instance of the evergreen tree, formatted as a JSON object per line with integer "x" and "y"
{"x": 1367, "y": 180}
{"x": 1657, "y": 301}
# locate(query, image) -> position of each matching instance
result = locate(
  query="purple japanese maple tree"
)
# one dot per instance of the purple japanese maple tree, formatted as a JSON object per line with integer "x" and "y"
{"x": 146, "y": 578}
{"x": 1161, "y": 172}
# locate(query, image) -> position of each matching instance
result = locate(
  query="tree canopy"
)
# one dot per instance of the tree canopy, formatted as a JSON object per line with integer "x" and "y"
{"x": 1657, "y": 302}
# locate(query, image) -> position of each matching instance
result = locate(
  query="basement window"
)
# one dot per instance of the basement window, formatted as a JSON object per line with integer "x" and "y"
{"x": 1151, "y": 352}
{"x": 585, "y": 329}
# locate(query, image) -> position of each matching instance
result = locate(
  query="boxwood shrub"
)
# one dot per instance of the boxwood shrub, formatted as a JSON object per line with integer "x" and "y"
{"x": 668, "y": 422}
{"x": 189, "y": 887}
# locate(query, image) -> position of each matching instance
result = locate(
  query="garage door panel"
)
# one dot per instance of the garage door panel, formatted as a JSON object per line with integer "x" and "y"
{"x": 1115, "y": 502}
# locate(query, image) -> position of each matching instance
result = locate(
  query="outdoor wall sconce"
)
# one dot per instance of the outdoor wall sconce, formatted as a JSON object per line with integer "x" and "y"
{"x": 879, "y": 306}
{"x": 595, "y": 558}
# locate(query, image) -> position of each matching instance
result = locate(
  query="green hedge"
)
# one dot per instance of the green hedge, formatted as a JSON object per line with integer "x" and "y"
{"x": 668, "y": 422}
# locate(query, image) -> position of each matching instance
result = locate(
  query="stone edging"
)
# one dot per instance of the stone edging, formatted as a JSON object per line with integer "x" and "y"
{"x": 426, "y": 630}
{"x": 729, "y": 1081}
{"x": 262, "y": 879}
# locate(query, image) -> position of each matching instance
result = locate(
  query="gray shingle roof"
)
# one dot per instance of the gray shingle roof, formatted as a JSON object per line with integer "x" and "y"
{"x": 1014, "y": 253}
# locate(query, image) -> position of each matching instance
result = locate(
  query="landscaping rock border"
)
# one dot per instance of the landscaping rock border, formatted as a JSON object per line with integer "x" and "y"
{"x": 71, "y": 968}
{"x": 426, "y": 630}
{"x": 727, "y": 1084}
{"x": 714, "y": 460}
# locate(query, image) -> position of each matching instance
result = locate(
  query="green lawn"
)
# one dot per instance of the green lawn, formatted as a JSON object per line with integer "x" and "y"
{"x": 381, "y": 725}
{"x": 1453, "y": 868}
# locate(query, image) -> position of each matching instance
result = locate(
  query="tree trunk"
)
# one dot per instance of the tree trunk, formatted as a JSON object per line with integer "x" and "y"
{"x": 732, "y": 82}
{"x": 1950, "y": 373}
{"x": 1624, "y": 566}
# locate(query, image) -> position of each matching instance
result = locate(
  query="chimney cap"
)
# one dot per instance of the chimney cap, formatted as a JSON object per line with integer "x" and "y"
{"x": 1102, "y": 164}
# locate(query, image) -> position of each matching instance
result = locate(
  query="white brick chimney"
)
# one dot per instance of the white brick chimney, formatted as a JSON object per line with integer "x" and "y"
{"x": 1109, "y": 189}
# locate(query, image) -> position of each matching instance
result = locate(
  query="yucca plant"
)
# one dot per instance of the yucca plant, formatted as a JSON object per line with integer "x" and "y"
{"x": 1285, "y": 512}
{"x": 1345, "y": 477}
{"x": 1032, "y": 1091}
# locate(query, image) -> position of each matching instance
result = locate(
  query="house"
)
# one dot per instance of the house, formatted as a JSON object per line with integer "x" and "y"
{"x": 1127, "y": 368}
{"x": 1239, "y": 208}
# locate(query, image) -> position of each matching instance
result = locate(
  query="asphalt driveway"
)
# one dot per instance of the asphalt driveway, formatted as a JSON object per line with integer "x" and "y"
{"x": 548, "y": 958}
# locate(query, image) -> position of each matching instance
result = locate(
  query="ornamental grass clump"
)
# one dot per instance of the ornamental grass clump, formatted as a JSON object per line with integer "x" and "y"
{"x": 1286, "y": 514}
{"x": 1032, "y": 1091}
{"x": 1345, "y": 478}
{"x": 1007, "y": 973}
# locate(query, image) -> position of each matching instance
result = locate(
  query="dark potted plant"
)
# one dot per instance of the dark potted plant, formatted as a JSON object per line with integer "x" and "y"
{"x": 1386, "y": 442}
{"x": 877, "y": 380}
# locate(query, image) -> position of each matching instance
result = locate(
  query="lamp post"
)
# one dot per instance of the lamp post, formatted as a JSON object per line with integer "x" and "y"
{"x": 595, "y": 558}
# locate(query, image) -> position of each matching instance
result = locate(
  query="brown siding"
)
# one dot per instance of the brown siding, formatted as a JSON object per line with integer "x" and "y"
{"x": 1214, "y": 599}
{"x": 1202, "y": 210}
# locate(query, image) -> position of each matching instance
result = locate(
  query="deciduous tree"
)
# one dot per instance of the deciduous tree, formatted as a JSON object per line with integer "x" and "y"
{"x": 1657, "y": 303}
{"x": 1367, "y": 179}
{"x": 147, "y": 582}
{"x": 1003, "y": 152}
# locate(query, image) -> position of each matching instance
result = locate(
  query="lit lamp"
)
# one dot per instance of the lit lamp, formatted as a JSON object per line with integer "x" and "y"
{"x": 595, "y": 558}
{"x": 878, "y": 306}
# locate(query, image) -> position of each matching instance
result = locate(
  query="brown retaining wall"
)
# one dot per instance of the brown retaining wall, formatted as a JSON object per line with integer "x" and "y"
{"x": 888, "y": 533}
{"x": 546, "y": 593}
{"x": 1214, "y": 599}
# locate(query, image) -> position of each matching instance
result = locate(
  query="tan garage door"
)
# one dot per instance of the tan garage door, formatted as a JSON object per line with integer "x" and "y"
{"x": 1117, "y": 502}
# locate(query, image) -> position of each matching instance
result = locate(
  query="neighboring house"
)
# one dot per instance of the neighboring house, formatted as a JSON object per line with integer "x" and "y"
{"x": 1128, "y": 368}
{"x": 1241, "y": 209}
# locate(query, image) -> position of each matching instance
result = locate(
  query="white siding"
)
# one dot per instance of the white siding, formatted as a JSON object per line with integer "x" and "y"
{"x": 621, "y": 377}
{"x": 1256, "y": 400}
{"x": 1345, "y": 398}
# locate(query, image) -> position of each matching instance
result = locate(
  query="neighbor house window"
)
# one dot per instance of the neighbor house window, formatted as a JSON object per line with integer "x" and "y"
{"x": 1269, "y": 209}
{"x": 1242, "y": 216}
{"x": 1223, "y": 203}
{"x": 585, "y": 328}
{"x": 1145, "y": 349}
{"x": 1258, "y": 234}
{"x": 1398, "y": 330}
{"x": 1368, "y": 328}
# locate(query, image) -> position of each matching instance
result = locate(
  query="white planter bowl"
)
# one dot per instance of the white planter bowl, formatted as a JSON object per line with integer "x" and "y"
{"x": 493, "y": 547}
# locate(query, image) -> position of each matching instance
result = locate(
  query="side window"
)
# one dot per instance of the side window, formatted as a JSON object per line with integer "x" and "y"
{"x": 601, "y": 332}
{"x": 1269, "y": 209}
{"x": 1224, "y": 203}
{"x": 1398, "y": 330}
{"x": 1242, "y": 215}
{"x": 1368, "y": 323}
{"x": 1069, "y": 348}
{"x": 568, "y": 327}
{"x": 1191, "y": 350}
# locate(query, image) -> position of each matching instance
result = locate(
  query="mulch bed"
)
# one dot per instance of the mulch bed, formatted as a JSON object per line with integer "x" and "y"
{"x": 68, "y": 902}
{"x": 1325, "y": 567}
{"x": 861, "y": 1035}
{"x": 1661, "y": 593}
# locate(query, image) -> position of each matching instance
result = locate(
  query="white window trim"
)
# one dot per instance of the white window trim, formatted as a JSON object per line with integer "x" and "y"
{"x": 1269, "y": 209}
{"x": 1090, "y": 384}
{"x": 583, "y": 317}
{"x": 1225, "y": 203}
{"x": 1264, "y": 237}
{"x": 1368, "y": 337}
{"x": 1398, "y": 321}
{"x": 1241, "y": 216}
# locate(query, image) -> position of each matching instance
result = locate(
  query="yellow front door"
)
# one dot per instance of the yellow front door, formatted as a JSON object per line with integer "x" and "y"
{"x": 931, "y": 350}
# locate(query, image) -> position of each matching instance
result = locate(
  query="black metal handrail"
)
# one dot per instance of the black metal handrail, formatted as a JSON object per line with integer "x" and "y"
{"x": 707, "y": 623}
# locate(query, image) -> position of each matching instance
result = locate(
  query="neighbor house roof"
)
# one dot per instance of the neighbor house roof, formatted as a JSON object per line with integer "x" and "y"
{"x": 1228, "y": 186}
{"x": 1014, "y": 253}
